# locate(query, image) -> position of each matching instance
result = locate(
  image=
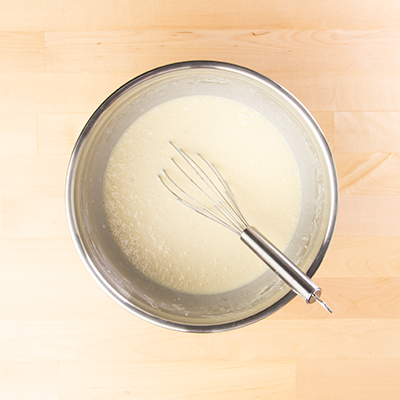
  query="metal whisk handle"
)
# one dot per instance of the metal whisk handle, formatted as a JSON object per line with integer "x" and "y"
{"x": 299, "y": 282}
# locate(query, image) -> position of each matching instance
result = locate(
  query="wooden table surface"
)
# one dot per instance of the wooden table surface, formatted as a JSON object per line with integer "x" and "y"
{"x": 62, "y": 337}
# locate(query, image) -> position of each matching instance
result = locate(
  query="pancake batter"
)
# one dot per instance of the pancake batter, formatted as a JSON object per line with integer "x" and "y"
{"x": 174, "y": 245}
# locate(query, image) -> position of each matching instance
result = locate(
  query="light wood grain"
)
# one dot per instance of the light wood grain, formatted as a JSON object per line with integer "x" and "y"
{"x": 54, "y": 300}
{"x": 179, "y": 380}
{"x": 62, "y": 337}
{"x": 21, "y": 51}
{"x": 36, "y": 176}
{"x": 57, "y": 92}
{"x": 58, "y": 132}
{"x": 33, "y": 380}
{"x": 370, "y": 131}
{"x": 364, "y": 256}
{"x": 376, "y": 174}
{"x": 52, "y": 258}
{"x": 35, "y": 217}
{"x": 368, "y": 215}
{"x": 18, "y": 134}
{"x": 118, "y": 337}
{"x": 288, "y": 50}
{"x": 353, "y": 379}
{"x": 1, "y": 217}
{"x": 202, "y": 14}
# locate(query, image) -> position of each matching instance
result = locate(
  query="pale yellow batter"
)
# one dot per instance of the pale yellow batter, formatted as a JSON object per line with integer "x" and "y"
{"x": 174, "y": 245}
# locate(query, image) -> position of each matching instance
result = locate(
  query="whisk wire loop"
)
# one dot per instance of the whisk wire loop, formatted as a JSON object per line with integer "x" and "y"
{"x": 227, "y": 212}
{"x": 231, "y": 197}
{"x": 199, "y": 208}
{"x": 223, "y": 198}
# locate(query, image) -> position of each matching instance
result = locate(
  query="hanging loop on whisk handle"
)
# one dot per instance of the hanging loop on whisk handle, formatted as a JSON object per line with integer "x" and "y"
{"x": 282, "y": 266}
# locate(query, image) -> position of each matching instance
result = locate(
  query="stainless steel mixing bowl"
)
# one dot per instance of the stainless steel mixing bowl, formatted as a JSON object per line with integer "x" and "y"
{"x": 86, "y": 216}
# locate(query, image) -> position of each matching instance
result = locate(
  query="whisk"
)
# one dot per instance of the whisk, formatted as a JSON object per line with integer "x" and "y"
{"x": 212, "y": 188}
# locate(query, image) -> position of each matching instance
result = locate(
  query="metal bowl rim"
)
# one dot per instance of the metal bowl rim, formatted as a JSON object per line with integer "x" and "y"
{"x": 79, "y": 145}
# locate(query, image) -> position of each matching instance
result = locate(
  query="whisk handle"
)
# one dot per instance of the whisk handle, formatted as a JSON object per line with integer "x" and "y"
{"x": 281, "y": 265}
